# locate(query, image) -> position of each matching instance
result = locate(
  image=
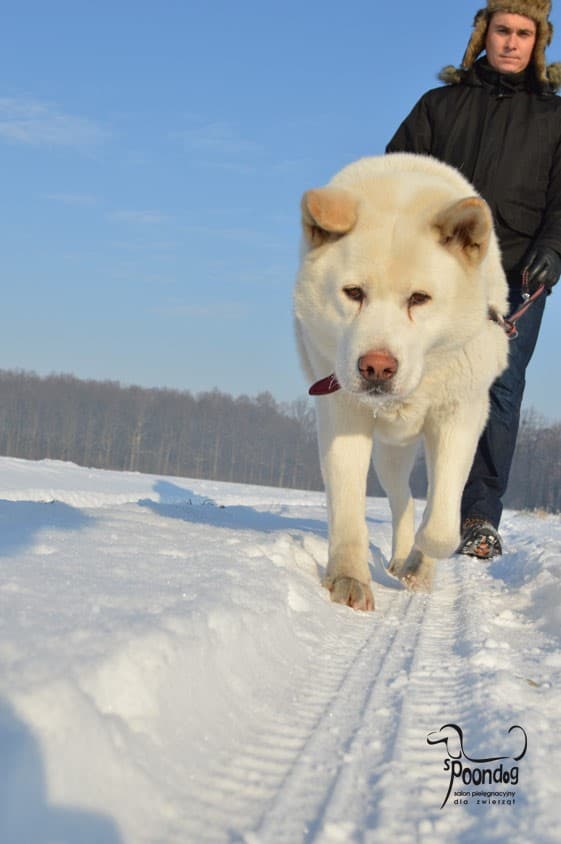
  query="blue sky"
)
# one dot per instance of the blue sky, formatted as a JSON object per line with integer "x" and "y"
{"x": 153, "y": 156}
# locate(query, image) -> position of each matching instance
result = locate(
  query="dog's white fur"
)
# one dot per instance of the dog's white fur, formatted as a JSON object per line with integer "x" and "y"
{"x": 394, "y": 226}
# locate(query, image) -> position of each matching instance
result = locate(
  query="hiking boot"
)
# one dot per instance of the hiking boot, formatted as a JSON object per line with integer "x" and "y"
{"x": 480, "y": 539}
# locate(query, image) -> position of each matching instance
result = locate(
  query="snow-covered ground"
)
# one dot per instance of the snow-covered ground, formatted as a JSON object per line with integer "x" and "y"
{"x": 172, "y": 671}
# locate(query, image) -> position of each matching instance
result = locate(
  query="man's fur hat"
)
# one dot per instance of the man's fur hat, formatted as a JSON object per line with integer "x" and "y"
{"x": 548, "y": 76}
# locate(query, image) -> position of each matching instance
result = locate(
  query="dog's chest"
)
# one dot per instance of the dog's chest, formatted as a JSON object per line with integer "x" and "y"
{"x": 400, "y": 423}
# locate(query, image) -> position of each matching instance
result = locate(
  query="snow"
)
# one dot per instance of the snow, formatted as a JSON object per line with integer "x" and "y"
{"x": 173, "y": 671}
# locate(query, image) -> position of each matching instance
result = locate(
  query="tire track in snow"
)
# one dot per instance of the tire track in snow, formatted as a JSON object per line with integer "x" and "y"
{"x": 303, "y": 799}
{"x": 445, "y": 685}
{"x": 413, "y": 673}
{"x": 450, "y": 680}
{"x": 436, "y": 692}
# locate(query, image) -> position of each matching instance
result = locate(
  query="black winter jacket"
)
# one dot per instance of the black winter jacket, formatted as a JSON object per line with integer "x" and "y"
{"x": 504, "y": 135}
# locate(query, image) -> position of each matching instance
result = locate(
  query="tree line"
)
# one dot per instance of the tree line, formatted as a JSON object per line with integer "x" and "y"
{"x": 253, "y": 440}
{"x": 105, "y": 425}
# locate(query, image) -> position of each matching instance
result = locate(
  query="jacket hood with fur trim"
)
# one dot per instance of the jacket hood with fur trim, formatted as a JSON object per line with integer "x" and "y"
{"x": 455, "y": 75}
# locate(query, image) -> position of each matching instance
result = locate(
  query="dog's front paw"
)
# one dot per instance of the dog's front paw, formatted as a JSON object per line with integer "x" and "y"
{"x": 416, "y": 572}
{"x": 352, "y": 593}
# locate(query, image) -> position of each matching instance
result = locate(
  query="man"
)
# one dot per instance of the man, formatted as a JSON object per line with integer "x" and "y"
{"x": 498, "y": 121}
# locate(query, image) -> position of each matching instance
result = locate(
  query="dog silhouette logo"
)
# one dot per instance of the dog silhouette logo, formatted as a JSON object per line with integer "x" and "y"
{"x": 480, "y": 771}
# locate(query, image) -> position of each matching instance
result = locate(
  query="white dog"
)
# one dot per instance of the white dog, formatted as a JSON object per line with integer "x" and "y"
{"x": 399, "y": 302}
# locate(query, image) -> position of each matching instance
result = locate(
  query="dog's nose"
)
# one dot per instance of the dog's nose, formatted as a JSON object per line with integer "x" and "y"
{"x": 377, "y": 366}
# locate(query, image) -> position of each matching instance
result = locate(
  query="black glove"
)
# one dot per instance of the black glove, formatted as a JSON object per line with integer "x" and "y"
{"x": 542, "y": 266}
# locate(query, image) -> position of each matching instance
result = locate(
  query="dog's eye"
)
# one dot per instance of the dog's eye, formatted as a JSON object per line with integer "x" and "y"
{"x": 418, "y": 298}
{"x": 357, "y": 294}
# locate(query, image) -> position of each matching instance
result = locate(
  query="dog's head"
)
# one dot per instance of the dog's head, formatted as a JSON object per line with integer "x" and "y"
{"x": 391, "y": 278}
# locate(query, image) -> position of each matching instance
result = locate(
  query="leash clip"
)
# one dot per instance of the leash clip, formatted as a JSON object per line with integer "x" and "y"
{"x": 511, "y": 329}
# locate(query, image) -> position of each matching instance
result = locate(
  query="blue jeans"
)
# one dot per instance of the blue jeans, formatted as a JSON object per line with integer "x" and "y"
{"x": 488, "y": 478}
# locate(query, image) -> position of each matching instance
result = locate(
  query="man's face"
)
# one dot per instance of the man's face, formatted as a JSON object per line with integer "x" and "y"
{"x": 510, "y": 41}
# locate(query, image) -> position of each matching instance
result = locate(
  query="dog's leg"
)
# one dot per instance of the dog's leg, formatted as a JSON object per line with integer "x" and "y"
{"x": 450, "y": 445}
{"x": 345, "y": 444}
{"x": 393, "y": 466}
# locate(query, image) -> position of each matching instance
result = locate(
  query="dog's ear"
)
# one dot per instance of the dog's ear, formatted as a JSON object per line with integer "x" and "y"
{"x": 465, "y": 227}
{"x": 327, "y": 214}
